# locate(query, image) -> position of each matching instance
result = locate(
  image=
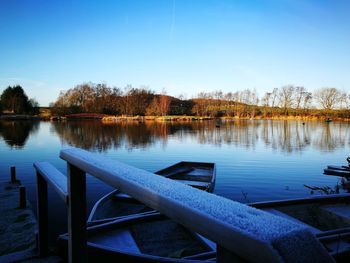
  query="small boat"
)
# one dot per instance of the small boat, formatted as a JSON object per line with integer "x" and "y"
{"x": 342, "y": 173}
{"x": 116, "y": 204}
{"x": 144, "y": 238}
{"x": 327, "y": 216}
{"x": 196, "y": 174}
{"x": 343, "y": 170}
{"x": 127, "y": 230}
{"x": 340, "y": 168}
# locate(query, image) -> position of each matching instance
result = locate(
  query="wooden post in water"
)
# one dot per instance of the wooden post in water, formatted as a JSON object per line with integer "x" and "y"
{"x": 22, "y": 197}
{"x": 77, "y": 242}
{"x": 13, "y": 175}
{"x": 42, "y": 215}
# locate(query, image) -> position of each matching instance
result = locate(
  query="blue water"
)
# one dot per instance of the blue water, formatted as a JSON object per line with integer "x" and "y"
{"x": 256, "y": 160}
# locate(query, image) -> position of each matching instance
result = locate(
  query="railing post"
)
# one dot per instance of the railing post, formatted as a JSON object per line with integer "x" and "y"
{"x": 22, "y": 197}
{"x": 13, "y": 174}
{"x": 42, "y": 215}
{"x": 77, "y": 243}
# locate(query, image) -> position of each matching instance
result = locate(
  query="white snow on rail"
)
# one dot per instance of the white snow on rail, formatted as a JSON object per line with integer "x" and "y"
{"x": 252, "y": 234}
{"x": 54, "y": 178}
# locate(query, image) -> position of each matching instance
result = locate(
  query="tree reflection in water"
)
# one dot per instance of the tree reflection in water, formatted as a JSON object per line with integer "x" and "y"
{"x": 284, "y": 136}
{"x": 332, "y": 136}
{"x": 94, "y": 135}
{"x": 16, "y": 133}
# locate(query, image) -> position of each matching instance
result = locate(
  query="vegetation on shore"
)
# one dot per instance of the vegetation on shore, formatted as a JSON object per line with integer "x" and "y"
{"x": 135, "y": 103}
{"x": 98, "y": 101}
{"x": 14, "y": 100}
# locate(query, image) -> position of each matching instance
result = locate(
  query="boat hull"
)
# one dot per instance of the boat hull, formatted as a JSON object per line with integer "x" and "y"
{"x": 196, "y": 174}
{"x": 144, "y": 238}
{"x": 342, "y": 173}
{"x": 117, "y": 204}
{"x": 341, "y": 168}
{"x": 328, "y": 217}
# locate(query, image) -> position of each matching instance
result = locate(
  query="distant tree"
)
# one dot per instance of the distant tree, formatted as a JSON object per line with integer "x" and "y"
{"x": 274, "y": 96}
{"x": 15, "y": 100}
{"x": 34, "y": 106}
{"x": 307, "y": 100}
{"x": 328, "y": 98}
{"x": 343, "y": 100}
{"x": 180, "y": 106}
{"x": 300, "y": 92}
{"x": 286, "y": 97}
{"x": 89, "y": 97}
{"x": 153, "y": 108}
{"x": 265, "y": 102}
{"x": 136, "y": 100}
{"x": 164, "y": 104}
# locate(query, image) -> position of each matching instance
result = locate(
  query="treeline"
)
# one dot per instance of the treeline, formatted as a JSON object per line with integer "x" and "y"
{"x": 14, "y": 100}
{"x": 99, "y": 98}
{"x": 285, "y": 101}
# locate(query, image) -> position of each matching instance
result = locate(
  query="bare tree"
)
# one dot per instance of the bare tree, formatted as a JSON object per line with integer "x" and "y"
{"x": 328, "y": 98}
{"x": 265, "y": 100}
{"x": 153, "y": 107}
{"x": 164, "y": 103}
{"x": 274, "y": 95}
{"x": 285, "y": 95}
{"x": 343, "y": 100}
{"x": 300, "y": 93}
{"x": 307, "y": 100}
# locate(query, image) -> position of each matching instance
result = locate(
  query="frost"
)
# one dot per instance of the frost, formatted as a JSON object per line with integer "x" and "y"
{"x": 292, "y": 241}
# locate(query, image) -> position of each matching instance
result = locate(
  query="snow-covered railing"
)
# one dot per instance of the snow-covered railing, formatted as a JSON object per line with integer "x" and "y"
{"x": 238, "y": 230}
{"x": 54, "y": 178}
{"x": 47, "y": 174}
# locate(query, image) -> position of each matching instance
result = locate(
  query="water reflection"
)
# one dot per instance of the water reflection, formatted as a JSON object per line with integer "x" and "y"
{"x": 332, "y": 137}
{"x": 94, "y": 135}
{"x": 16, "y": 133}
{"x": 287, "y": 136}
{"x": 284, "y": 136}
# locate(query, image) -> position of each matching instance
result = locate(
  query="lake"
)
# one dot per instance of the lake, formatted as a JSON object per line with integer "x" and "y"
{"x": 256, "y": 160}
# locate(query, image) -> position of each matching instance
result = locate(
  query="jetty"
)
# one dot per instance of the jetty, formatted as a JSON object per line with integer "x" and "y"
{"x": 239, "y": 231}
{"x": 17, "y": 221}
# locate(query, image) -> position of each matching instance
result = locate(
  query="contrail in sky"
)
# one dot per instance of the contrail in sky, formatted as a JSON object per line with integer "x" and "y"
{"x": 172, "y": 26}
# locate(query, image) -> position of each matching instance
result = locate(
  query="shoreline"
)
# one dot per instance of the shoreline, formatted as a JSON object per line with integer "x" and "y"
{"x": 168, "y": 118}
{"x": 18, "y": 225}
{"x": 22, "y": 117}
{"x": 206, "y": 118}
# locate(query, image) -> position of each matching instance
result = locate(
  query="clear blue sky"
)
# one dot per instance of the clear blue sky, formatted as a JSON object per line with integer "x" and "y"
{"x": 183, "y": 46}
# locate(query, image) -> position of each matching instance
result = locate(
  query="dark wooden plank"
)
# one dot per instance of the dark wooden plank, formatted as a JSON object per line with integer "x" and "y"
{"x": 42, "y": 206}
{"x": 77, "y": 243}
{"x": 13, "y": 175}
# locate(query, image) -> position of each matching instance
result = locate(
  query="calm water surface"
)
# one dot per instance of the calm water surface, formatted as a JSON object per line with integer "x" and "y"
{"x": 256, "y": 160}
